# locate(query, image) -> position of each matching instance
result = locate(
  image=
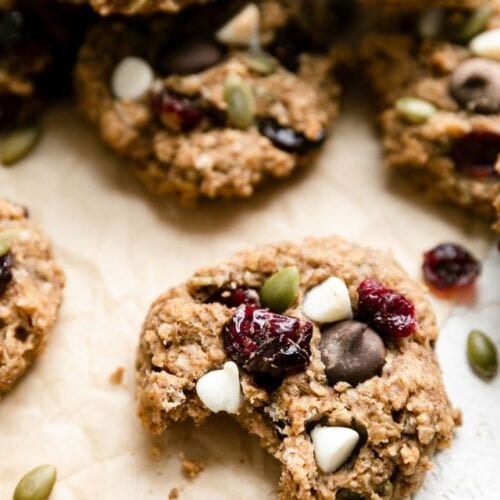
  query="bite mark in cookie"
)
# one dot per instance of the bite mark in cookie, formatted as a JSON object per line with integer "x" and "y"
{"x": 378, "y": 397}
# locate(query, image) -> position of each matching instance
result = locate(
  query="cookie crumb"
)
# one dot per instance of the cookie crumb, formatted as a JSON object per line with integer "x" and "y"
{"x": 116, "y": 377}
{"x": 174, "y": 493}
{"x": 457, "y": 416}
{"x": 190, "y": 468}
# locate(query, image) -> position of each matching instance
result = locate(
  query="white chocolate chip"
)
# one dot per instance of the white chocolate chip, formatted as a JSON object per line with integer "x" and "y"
{"x": 24, "y": 235}
{"x": 332, "y": 446}
{"x": 487, "y": 44}
{"x": 219, "y": 390}
{"x": 328, "y": 302}
{"x": 132, "y": 78}
{"x": 430, "y": 23}
{"x": 243, "y": 29}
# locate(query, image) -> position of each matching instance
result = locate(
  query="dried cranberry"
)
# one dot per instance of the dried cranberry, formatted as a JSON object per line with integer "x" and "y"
{"x": 236, "y": 297}
{"x": 266, "y": 343}
{"x": 448, "y": 266}
{"x": 178, "y": 113}
{"x": 475, "y": 154}
{"x": 6, "y": 263}
{"x": 385, "y": 310}
{"x": 287, "y": 138}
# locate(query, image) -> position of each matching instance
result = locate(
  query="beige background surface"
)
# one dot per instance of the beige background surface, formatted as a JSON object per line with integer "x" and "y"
{"x": 120, "y": 249}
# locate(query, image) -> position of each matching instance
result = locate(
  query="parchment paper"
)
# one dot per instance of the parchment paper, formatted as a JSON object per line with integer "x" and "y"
{"x": 120, "y": 249}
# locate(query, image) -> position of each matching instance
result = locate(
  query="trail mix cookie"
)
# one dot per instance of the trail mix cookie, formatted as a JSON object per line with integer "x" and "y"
{"x": 440, "y": 93}
{"x": 31, "y": 286}
{"x": 210, "y": 103}
{"x": 322, "y": 349}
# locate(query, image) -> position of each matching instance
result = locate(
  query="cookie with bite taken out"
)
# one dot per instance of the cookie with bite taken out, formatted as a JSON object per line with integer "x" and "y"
{"x": 322, "y": 349}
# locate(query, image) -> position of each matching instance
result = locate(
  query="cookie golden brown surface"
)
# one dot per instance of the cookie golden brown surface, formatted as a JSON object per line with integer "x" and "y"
{"x": 31, "y": 286}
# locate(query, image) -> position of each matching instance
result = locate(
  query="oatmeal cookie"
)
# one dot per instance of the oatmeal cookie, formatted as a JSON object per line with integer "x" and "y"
{"x": 440, "y": 97}
{"x": 197, "y": 109}
{"x": 37, "y": 46}
{"x": 322, "y": 349}
{"x": 31, "y": 286}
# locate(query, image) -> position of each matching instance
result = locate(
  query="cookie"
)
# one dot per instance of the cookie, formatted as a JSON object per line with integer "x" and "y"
{"x": 322, "y": 349}
{"x": 196, "y": 107}
{"x": 37, "y": 47}
{"x": 31, "y": 285}
{"x": 440, "y": 97}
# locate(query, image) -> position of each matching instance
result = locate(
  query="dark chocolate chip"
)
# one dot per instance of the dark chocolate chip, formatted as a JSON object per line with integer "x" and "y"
{"x": 191, "y": 57}
{"x": 345, "y": 494}
{"x": 289, "y": 139}
{"x": 6, "y": 263}
{"x": 475, "y": 85}
{"x": 351, "y": 352}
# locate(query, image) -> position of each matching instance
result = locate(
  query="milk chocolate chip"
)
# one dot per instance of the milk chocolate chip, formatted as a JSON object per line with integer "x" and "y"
{"x": 475, "y": 85}
{"x": 351, "y": 352}
{"x": 191, "y": 57}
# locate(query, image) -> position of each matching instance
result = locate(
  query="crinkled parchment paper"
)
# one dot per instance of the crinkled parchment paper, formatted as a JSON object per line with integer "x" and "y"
{"x": 120, "y": 249}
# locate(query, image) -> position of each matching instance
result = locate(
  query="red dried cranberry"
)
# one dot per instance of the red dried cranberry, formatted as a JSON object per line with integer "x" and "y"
{"x": 236, "y": 297}
{"x": 449, "y": 266}
{"x": 385, "y": 310}
{"x": 6, "y": 263}
{"x": 178, "y": 113}
{"x": 287, "y": 138}
{"x": 475, "y": 154}
{"x": 266, "y": 343}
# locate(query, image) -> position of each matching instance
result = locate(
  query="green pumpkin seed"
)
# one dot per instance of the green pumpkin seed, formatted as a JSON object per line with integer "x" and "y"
{"x": 240, "y": 102}
{"x": 17, "y": 143}
{"x": 385, "y": 489}
{"x": 280, "y": 290}
{"x": 36, "y": 484}
{"x": 261, "y": 62}
{"x": 482, "y": 354}
{"x": 6, "y": 237}
{"x": 4, "y": 248}
{"x": 415, "y": 110}
{"x": 473, "y": 25}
